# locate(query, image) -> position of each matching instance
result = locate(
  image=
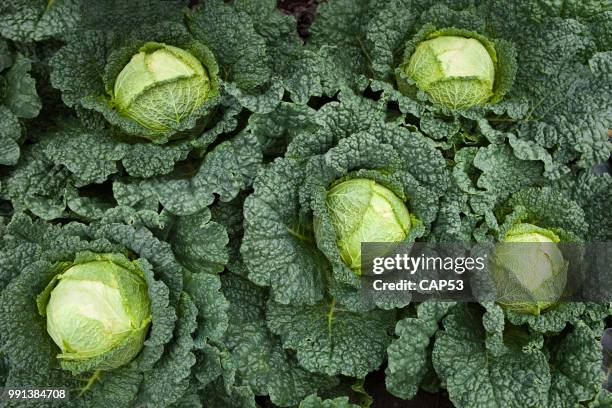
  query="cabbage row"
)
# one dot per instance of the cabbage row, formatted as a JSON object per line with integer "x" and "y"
{"x": 185, "y": 187}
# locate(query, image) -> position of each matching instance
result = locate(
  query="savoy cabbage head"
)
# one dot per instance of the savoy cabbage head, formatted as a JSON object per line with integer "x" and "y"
{"x": 98, "y": 312}
{"x": 456, "y": 68}
{"x": 361, "y": 210}
{"x": 527, "y": 264}
{"x": 163, "y": 84}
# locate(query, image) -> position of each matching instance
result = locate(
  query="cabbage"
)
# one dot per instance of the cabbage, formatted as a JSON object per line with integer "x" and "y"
{"x": 98, "y": 312}
{"x": 364, "y": 211}
{"x": 160, "y": 86}
{"x": 528, "y": 269}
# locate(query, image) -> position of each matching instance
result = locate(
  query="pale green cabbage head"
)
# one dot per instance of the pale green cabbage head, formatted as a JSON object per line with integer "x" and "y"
{"x": 98, "y": 312}
{"x": 457, "y": 72}
{"x": 362, "y": 210}
{"x": 529, "y": 269}
{"x": 160, "y": 86}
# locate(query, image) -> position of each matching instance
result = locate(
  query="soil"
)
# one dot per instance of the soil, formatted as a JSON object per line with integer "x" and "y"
{"x": 302, "y": 10}
{"x": 375, "y": 386}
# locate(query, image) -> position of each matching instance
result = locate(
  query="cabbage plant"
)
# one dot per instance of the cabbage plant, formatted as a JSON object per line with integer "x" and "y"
{"x": 98, "y": 312}
{"x": 483, "y": 352}
{"x": 159, "y": 82}
{"x": 349, "y": 178}
{"x": 531, "y": 75}
{"x": 528, "y": 268}
{"x": 131, "y": 116}
{"x": 362, "y": 210}
{"x": 108, "y": 303}
{"x": 336, "y": 187}
{"x": 162, "y": 81}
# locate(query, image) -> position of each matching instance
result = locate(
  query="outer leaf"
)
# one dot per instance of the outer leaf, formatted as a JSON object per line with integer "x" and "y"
{"x": 20, "y": 94}
{"x": 240, "y": 51}
{"x": 576, "y": 363}
{"x": 591, "y": 192}
{"x": 199, "y": 243}
{"x": 10, "y": 132}
{"x": 230, "y": 216}
{"x": 277, "y": 129}
{"x": 169, "y": 379}
{"x": 289, "y": 248}
{"x": 18, "y": 100}
{"x": 474, "y": 378}
{"x": 90, "y": 155}
{"x": 260, "y": 359}
{"x": 409, "y": 353}
{"x": 333, "y": 341}
{"x": 227, "y": 169}
{"x": 35, "y": 20}
{"x": 205, "y": 291}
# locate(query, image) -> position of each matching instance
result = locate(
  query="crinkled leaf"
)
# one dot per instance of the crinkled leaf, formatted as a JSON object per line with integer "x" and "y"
{"x": 333, "y": 341}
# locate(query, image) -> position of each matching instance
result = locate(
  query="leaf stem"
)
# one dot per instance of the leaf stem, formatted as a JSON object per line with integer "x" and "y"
{"x": 330, "y": 317}
{"x": 95, "y": 376}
